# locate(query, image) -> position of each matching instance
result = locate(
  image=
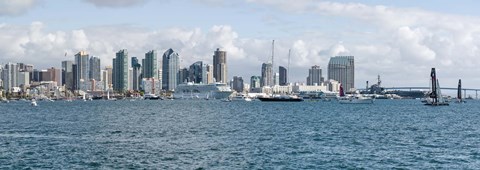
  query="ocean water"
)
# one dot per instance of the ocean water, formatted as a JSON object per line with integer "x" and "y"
{"x": 183, "y": 134}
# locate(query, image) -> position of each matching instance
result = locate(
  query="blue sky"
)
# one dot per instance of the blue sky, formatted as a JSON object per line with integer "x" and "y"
{"x": 388, "y": 38}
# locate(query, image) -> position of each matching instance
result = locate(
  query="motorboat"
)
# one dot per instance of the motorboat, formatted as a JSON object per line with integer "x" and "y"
{"x": 280, "y": 98}
{"x": 150, "y": 96}
{"x": 33, "y": 102}
{"x": 353, "y": 99}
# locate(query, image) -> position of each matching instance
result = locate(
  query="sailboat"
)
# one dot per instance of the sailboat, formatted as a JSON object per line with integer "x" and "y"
{"x": 108, "y": 96}
{"x": 459, "y": 92}
{"x": 434, "y": 97}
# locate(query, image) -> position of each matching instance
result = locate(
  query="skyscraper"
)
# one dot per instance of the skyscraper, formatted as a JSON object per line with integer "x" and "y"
{"x": 120, "y": 71}
{"x": 237, "y": 84}
{"x": 67, "y": 74}
{"x": 220, "y": 66}
{"x": 55, "y": 75}
{"x": 197, "y": 72}
{"x": 283, "y": 75}
{"x": 150, "y": 65}
{"x": 314, "y": 76}
{"x": 183, "y": 76}
{"x": 170, "y": 68}
{"x": 136, "y": 74}
{"x": 94, "y": 72}
{"x": 10, "y": 73}
{"x": 342, "y": 69}
{"x": 255, "y": 82}
{"x": 109, "y": 76}
{"x": 267, "y": 75}
{"x": 209, "y": 72}
{"x": 82, "y": 62}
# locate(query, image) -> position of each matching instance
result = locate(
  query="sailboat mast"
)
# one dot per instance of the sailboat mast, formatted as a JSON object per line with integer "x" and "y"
{"x": 434, "y": 85}
{"x": 459, "y": 90}
{"x": 288, "y": 66}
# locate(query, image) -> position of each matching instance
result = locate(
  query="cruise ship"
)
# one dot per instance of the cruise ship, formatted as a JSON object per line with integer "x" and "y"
{"x": 202, "y": 91}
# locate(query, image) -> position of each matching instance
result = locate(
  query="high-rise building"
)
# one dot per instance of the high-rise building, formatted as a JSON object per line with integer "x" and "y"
{"x": 220, "y": 66}
{"x": 255, "y": 81}
{"x": 283, "y": 75}
{"x": 82, "y": 62}
{"x": 136, "y": 74}
{"x": 23, "y": 79}
{"x": 237, "y": 84}
{"x": 10, "y": 73}
{"x": 150, "y": 65}
{"x": 267, "y": 75}
{"x": 75, "y": 84}
{"x": 342, "y": 69}
{"x": 55, "y": 75}
{"x": 94, "y": 72}
{"x": 183, "y": 76}
{"x": 198, "y": 73}
{"x": 314, "y": 76}
{"x": 67, "y": 74}
{"x": 170, "y": 68}
{"x": 209, "y": 73}
{"x": 120, "y": 71}
{"x": 109, "y": 76}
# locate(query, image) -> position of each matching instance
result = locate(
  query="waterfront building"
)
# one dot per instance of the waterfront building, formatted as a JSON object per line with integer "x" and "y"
{"x": 35, "y": 77}
{"x": 54, "y": 75}
{"x": 170, "y": 69}
{"x": 109, "y": 76}
{"x": 150, "y": 65}
{"x": 342, "y": 69}
{"x": 67, "y": 74}
{"x": 282, "y": 76}
{"x": 209, "y": 72}
{"x": 314, "y": 76}
{"x": 237, "y": 84}
{"x": 151, "y": 86}
{"x": 255, "y": 81}
{"x": 23, "y": 79}
{"x": 120, "y": 71}
{"x": 136, "y": 74}
{"x": 10, "y": 73}
{"x": 267, "y": 75}
{"x": 82, "y": 69}
{"x": 94, "y": 72}
{"x": 105, "y": 81}
{"x": 183, "y": 76}
{"x": 220, "y": 66}
{"x": 198, "y": 73}
{"x": 276, "y": 79}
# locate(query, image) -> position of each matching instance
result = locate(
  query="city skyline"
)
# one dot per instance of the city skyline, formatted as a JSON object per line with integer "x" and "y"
{"x": 391, "y": 39}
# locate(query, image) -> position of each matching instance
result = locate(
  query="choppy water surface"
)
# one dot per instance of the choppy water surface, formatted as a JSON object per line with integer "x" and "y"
{"x": 184, "y": 134}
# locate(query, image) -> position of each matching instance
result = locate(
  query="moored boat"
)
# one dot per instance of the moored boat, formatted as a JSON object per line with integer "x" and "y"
{"x": 280, "y": 98}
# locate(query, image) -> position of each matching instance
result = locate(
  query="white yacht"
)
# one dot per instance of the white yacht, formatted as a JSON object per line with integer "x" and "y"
{"x": 353, "y": 99}
{"x": 202, "y": 91}
{"x": 33, "y": 102}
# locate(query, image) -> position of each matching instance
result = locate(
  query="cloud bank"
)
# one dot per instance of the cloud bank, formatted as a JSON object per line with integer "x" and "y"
{"x": 16, "y": 7}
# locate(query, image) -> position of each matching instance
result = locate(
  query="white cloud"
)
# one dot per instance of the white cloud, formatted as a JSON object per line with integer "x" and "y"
{"x": 15, "y": 7}
{"x": 406, "y": 39}
{"x": 116, "y": 3}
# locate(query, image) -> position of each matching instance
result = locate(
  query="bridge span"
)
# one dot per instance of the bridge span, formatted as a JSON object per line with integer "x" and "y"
{"x": 427, "y": 88}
